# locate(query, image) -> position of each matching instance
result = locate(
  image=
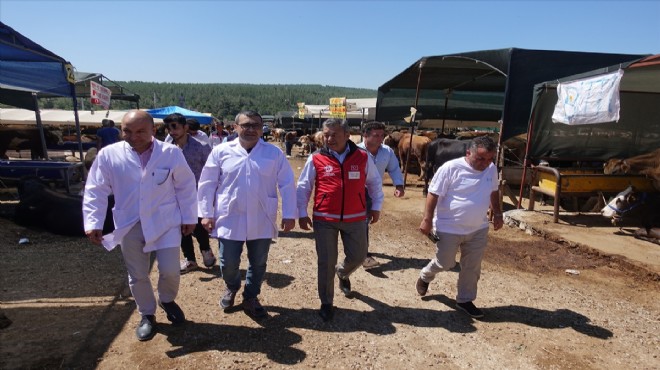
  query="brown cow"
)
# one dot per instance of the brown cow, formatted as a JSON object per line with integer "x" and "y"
{"x": 318, "y": 139}
{"x": 278, "y": 134}
{"x": 419, "y": 144}
{"x": 645, "y": 164}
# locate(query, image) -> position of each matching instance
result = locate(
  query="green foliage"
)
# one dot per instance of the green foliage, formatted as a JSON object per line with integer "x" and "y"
{"x": 224, "y": 100}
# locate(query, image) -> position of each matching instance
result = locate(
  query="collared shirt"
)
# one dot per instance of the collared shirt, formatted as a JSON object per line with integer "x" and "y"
{"x": 385, "y": 159}
{"x": 374, "y": 183}
{"x": 196, "y": 154}
{"x": 239, "y": 190}
{"x": 146, "y": 155}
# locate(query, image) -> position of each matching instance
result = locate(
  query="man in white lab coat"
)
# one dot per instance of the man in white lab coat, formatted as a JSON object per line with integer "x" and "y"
{"x": 154, "y": 193}
{"x": 237, "y": 199}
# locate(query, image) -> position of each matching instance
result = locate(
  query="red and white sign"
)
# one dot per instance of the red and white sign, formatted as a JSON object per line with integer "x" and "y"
{"x": 100, "y": 95}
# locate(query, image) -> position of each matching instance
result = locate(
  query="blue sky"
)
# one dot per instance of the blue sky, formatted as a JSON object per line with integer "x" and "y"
{"x": 340, "y": 43}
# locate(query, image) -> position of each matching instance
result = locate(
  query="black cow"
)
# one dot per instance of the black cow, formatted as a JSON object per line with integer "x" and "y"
{"x": 26, "y": 138}
{"x": 440, "y": 151}
{"x": 53, "y": 211}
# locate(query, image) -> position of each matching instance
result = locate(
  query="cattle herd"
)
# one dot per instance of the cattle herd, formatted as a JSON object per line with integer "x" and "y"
{"x": 61, "y": 213}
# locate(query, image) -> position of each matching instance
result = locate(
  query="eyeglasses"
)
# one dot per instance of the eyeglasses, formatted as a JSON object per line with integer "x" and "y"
{"x": 250, "y": 126}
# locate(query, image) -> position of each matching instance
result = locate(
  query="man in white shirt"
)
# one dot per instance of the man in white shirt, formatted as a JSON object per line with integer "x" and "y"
{"x": 455, "y": 215}
{"x": 373, "y": 134}
{"x": 237, "y": 200}
{"x": 154, "y": 192}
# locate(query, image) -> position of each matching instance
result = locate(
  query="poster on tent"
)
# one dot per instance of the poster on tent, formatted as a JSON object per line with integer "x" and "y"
{"x": 338, "y": 108}
{"x": 301, "y": 110}
{"x": 99, "y": 95}
{"x": 588, "y": 101}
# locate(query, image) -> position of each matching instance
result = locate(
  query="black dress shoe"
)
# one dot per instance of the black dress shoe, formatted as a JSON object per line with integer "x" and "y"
{"x": 174, "y": 312}
{"x": 345, "y": 286}
{"x": 326, "y": 312}
{"x": 147, "y": 328}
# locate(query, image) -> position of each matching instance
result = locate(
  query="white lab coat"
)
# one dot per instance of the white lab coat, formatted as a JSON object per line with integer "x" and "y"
{"x": 239, "y": 190}
{"x": 162, "y": 196}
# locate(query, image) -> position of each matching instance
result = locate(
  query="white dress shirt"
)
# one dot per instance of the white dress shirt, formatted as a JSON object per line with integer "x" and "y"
{"x": 239, "y": 190}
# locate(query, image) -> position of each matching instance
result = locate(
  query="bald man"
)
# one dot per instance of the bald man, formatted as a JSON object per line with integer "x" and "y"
{"x": 155, "y": 202}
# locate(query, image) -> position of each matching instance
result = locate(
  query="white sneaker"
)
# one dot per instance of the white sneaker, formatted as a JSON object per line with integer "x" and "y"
{"x": 370, "y": 262}
{"x": 209, "y": 258}
{"x": 187, "y": 266}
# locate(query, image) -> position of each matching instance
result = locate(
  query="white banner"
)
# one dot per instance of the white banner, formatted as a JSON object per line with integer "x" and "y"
{"x": 588, "y": 101}
{"x": 99, "y": 94}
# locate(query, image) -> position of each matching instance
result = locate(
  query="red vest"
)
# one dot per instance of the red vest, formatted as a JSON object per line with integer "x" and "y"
{"x": 339, "y": 188}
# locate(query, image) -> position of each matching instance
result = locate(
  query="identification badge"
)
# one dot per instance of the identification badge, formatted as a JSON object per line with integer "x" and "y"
{"x": 353, "y": 175}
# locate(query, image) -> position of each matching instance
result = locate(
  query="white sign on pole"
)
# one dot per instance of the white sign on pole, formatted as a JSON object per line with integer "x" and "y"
{"x": 588, "y": 101}
{"x": 100, "y": 95}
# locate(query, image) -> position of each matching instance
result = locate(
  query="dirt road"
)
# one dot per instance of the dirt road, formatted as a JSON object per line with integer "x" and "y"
{"x": 69, "y": 306}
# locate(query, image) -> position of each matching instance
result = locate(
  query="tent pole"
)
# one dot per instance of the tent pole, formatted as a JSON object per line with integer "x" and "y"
{"x": 525, "y": 161}
{"x": 412, "y": 124}
{"x": 40, "y": 127}
{"x": 75, "y": 115}
{"x": 444, "y": 115}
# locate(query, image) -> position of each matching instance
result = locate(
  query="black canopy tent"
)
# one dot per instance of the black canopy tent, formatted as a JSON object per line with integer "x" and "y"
{"x": 488, "y": 85}
{"x": 636, "y": 132}
{"x": 27, "y": 71}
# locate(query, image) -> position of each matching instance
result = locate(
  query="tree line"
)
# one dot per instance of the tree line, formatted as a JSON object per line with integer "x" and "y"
{"x": 222, "y": 100}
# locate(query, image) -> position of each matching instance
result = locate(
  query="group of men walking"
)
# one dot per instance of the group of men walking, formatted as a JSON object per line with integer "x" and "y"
{"x": 166, "y": 193}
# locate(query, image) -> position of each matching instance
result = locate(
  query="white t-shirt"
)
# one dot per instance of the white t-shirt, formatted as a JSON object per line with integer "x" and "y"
{"x": 464, "y": 196}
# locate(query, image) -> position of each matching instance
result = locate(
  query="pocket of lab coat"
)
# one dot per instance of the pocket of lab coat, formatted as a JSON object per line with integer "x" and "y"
{"x": 222, "y": 204}
{"x": 160, "y": 175}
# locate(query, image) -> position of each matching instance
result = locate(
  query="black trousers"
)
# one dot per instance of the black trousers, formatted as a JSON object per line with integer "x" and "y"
{"x": 202, "y": 237}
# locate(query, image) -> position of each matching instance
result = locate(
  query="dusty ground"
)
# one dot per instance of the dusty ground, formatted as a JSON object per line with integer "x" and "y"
{"x": 71, "y": 309}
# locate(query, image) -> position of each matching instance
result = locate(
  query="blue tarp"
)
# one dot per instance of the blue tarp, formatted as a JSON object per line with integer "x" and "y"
{"x": 166, "y": 111}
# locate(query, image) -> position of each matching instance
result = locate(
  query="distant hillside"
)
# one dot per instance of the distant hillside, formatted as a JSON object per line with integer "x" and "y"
{"x": 225, "y": 100}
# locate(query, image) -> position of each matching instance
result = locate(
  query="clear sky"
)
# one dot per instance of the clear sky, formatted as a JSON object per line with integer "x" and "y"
{"x": 340, "y": 43}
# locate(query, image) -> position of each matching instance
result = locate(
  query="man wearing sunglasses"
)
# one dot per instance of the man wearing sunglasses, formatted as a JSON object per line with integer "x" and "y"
{"x": 237, "y": 200}
{"x": 196, "y": 154}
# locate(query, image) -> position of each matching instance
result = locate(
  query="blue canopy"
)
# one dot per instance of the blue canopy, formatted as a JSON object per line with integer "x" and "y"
{"x": 27, "y": 68}
{"x": 166, "y": 111}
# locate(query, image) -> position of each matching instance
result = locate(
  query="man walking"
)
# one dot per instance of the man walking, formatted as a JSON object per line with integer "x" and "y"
{"x": 339, "y": 173}
{"x": 154, "y": 204}
{"x": 373, "y": 134}
{"x": 196, "y": 154}
{"x": 238, "y": 204}
{"x": 456, "y": 205}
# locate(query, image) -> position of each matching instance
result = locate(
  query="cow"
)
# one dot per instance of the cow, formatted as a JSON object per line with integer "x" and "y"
{"x": 355, "y": 138}
{"x": 633, "y": 204}
{"x": 278, "y": 134}
{"x": 26, "y": 138}
{"x": 417, "y": 149}
{"x": 56, "y": 212}
{"x": 392, "y": 140}
{"x": 440, "y": 151}
{"x": 645, "y": 164}
{"x": 318, "y": 139}
{"x": 307, "y": 145}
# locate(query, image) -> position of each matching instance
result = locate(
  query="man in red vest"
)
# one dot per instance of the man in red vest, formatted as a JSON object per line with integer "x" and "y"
{"x": 339, "y": 173}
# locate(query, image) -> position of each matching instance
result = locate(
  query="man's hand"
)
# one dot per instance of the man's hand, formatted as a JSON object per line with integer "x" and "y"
{"x": 208, "y": 224}
{"x": 399, "y": 192}
{"x": 288, "y": 224}
{"x": 425, "y": 226}
{"x": 374, "y": 216}
{"x": 187, "y": 229}
{"x": 305, "y": 223}
{"x": 95, "y": 236}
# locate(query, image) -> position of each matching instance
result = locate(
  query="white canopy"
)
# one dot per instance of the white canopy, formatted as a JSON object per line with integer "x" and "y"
{"x": 57, "y": 117}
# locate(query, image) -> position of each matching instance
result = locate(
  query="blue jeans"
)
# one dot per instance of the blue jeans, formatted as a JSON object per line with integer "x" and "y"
{"x": 230, "y": 259}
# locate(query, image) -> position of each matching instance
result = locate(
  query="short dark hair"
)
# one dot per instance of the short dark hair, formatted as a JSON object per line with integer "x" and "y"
{"x": 373, "y": 125}
{"x": 483, "y": 142}
{"x": 107, "y": 123}
{"x": 193, "y": 124}
{"x": 248, "y": 113}
{"x": 175, "y": 118}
